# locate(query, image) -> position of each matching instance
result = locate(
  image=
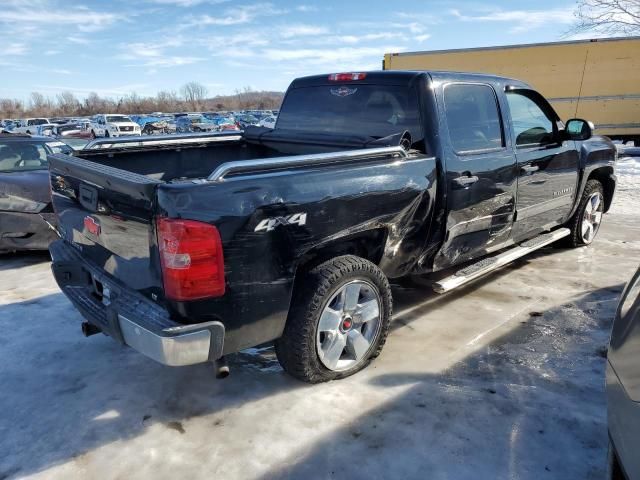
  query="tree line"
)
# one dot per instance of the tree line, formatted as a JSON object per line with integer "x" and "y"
{"x": 192, "y": 96}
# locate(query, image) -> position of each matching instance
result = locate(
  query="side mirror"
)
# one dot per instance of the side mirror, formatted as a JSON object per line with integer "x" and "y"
{"x": 578, "y": 129}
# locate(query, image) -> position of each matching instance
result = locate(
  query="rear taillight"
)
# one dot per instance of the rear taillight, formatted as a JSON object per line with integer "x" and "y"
{"x": 347, "y": 77}
{"x": 191, "y": 258}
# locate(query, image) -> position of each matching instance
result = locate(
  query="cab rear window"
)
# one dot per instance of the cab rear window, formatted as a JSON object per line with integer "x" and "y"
{"x": 366, "y": 110}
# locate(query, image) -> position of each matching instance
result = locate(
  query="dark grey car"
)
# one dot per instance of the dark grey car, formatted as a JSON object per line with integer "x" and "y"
{"x": 623, "y": 385}
{"x": 25, "y": 199}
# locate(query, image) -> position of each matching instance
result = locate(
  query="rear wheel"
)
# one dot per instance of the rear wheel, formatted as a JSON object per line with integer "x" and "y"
{"x": 585, "y": 223}
{"x": 338, "y": 322}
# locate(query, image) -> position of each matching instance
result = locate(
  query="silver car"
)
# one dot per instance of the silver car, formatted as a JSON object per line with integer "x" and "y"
{"x": 623, "y": 386}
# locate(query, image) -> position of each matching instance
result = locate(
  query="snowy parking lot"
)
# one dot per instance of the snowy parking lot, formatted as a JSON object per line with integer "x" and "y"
{"x": 503, "y": 379}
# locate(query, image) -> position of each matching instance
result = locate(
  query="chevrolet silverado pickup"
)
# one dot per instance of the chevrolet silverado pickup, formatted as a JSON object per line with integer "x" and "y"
{"x": 191, "y": 252}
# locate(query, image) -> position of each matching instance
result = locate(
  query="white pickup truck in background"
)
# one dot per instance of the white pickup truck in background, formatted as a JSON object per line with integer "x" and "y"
{"x": 29, "y": 125}
{"x": 113, "y": 125}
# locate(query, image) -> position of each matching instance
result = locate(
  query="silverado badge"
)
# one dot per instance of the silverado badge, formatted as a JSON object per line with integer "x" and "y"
{"x": 343, "y": 91}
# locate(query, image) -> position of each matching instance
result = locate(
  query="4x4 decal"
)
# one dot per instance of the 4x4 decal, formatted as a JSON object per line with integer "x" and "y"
{"x": 268, "y": 224}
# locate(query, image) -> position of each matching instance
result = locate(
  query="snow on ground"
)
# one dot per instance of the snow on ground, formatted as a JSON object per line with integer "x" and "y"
{"x": 504, "y": 379}
{"x": 628, "y": 189}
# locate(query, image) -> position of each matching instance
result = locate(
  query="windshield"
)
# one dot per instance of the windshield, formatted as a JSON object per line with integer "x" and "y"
{"x": 117, "y": 118}
{"x": 374, "y": 111}
{"x": 37, "y": 121}
{"x": 60, "y": 147}
{"x": 198, "y": 120}
{"x": 22, "y": 156}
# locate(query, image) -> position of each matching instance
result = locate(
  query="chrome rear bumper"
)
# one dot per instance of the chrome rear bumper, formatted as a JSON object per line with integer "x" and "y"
{"x": 131, "y": 318}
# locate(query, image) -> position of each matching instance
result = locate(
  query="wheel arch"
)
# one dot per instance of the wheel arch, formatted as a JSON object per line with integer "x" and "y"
{"x": 368, "y": 244}
{"x": 605, "y": 176}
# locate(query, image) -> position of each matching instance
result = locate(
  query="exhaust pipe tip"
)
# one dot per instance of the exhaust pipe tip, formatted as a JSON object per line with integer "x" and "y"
{"x": 222, "y": 368}
{"x": 89, "y": 329}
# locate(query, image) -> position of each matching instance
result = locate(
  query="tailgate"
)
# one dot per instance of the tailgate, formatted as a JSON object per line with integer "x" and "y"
{"x": 107, "y": 214}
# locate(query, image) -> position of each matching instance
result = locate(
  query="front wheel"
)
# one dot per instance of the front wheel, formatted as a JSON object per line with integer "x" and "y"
{"x": 338, "y": 322}
{"x": 585, "y": 223}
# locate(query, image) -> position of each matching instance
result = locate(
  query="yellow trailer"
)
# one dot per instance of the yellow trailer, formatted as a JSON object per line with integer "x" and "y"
{"x": 598, "y": 80}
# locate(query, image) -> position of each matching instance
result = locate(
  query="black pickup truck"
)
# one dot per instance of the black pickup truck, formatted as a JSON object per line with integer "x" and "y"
{"x": 191, "y": 252}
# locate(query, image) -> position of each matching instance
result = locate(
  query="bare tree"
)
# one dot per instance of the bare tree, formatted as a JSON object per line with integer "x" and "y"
{"x": 609, "y": 17}
{"x": 11, "y": 108}
{"x": 167, "y": 101}
{"x": 68, "y": 104}
{"x": 40, "y": 105}
{"x": 194, "y": 94}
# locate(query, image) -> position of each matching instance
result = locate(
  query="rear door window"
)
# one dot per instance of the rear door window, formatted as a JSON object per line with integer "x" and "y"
{"x": 21, "y": 156}
{"x": 473, "y": 117}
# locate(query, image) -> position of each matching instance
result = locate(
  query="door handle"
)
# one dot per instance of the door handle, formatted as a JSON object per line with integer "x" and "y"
{"x": 465, "y": 181}
{"x": 529, "y": 168}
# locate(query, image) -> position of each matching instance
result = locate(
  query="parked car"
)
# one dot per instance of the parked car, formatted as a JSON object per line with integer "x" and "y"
{"x": 29, "y": 125}
{"x": 151, "y": 124}
{"x": 25, "y": 201}
{"x": 623, "y": 387}
{"x": 45, "y": 130}
{"x": 290, "y": 235}
{"x": 245, "y": 121}
{"x": 268, "y": 122}
{"x": 7, "y": 125}
{"x": 113, "y": 125}
{"x": 224, "y": 124}
{"x": 195, "y": 123}
{"x": 73, "y": 130}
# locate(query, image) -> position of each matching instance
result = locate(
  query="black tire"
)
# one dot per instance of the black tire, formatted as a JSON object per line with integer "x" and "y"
{"x": 576, "y": 239}
{"x": 297, "y": 349}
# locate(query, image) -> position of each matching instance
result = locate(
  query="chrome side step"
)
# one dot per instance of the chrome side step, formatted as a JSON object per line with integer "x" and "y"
{"x": 489, "y": 264}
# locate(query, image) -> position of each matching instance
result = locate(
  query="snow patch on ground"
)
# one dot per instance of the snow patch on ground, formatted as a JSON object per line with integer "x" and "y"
{"x": 628, "y": 189}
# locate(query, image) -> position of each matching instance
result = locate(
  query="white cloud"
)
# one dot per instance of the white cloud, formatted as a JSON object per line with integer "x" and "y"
{"x": 166, "y": 61}
{"x": 186, "y": 3}
{"x": 292, "y": 31}
{"x": 232, "y": 16}
{"x": 324, "y": 56}
{"x": 78, "y": 40}
{"x": 81, "y": 17}
{"x": 368, "y": 37}
{"x": 520, "y": 20}
{"x": 307, "y": 8}
{"x": 13, "y": 49}
{"x": 422, "y": 38}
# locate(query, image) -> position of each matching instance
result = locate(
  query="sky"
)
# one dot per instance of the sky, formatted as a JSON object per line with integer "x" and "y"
{"x": 117, "y": 47}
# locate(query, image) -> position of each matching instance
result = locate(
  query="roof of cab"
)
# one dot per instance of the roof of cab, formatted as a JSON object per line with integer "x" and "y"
{"x": 23, "y": 137}
{"x": 400, "y": 77}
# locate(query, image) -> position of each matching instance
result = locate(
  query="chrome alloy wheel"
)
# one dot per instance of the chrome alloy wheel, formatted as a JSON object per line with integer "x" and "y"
{"x": 592, "y": 217}
{"x": 348, "y": 326}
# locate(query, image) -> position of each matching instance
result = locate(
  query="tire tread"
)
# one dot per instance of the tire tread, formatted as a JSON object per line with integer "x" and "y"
{"x": 296, "y": 349}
